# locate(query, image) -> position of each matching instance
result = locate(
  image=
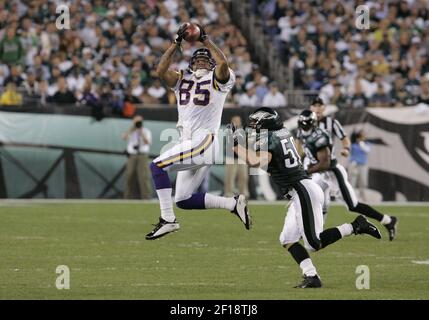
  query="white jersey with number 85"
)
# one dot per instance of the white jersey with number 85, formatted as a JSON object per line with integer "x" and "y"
{"x": 200, "y": 102}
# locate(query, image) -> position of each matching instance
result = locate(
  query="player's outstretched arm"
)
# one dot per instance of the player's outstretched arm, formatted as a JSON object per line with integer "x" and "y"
{"x": 253, "y": 159}
{"x": 222, "y": 68}
{"x": 170, "y": 76}
{"x": 324, "y": 161}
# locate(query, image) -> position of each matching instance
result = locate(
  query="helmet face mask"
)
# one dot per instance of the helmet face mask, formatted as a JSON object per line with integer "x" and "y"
{"x": 201, "y": 63}
{"x": 201, "y": 60}
{"x": 307, "y": 121}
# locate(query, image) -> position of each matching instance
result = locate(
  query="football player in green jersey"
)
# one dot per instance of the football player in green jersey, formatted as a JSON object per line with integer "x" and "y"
{"x": 329, "y": 174}
{"x": 275, "y": 152}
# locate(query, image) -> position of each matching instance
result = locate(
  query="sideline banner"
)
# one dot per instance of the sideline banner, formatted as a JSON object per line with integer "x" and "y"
{"x": 64, "y": 156}
{"x": 399, "y": 157}
{"x": 74, "y": 156}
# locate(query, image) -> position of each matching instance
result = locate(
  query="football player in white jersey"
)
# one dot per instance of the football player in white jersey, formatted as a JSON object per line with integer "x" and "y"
{"x": 201, "y": 91}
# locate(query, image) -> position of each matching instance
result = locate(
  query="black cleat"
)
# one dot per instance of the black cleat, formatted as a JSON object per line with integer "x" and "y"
{"x": 162, "y": 228}
{"x": 391, "y": 228}
{"x": 361, "y": 226}
{"x": 310, "y": 282}
{"x": 241, "y": 211}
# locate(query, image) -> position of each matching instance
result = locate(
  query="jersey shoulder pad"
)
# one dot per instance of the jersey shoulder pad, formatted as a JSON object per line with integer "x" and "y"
{"x": 276, "y": 138}
{"x": 321, "y": 139}
{"x": 224, "y": 87}
{"x": 273, "y": 142}
{"x": 182, "y": 74}
{"x": 321, "y": 132}
{"x": 282, "y": 133}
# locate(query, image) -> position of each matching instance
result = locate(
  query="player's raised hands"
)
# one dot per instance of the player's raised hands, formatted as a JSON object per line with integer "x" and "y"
{"x": 203, "y": 35}
{"x": 181, "y": 33}
{"x": 238, "y": 134}
{"x": 231, "y": 126}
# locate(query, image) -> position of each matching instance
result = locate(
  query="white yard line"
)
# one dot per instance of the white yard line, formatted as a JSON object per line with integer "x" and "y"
{"x": 421, "y": 262}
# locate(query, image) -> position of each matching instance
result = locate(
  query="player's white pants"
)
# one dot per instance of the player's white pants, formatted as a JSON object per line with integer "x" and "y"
{"x": 304, "y": 218}
{"x": 323, "y": 182}
{"x": 191, "y": 158}
{"x": 336, "y": 180}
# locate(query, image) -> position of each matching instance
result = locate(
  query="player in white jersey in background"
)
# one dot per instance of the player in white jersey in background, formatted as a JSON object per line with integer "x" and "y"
{"x": 200, "y": 91}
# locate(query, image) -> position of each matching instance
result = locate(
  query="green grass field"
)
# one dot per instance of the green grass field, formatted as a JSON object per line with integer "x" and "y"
{"x": 211, "y": 257}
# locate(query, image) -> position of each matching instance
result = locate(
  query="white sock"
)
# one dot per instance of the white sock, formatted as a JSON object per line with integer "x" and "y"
{"x": 308, "y": 268}
{"x": 166, "y": 204}
{"x": 214, "y": 202}
{"x": 345, "y": 229}
{"x": 386, "y": 219}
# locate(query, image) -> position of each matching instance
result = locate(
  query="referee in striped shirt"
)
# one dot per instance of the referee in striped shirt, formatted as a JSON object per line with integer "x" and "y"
{"x": 339, "y": 178}
{"x": 332, "y": 126}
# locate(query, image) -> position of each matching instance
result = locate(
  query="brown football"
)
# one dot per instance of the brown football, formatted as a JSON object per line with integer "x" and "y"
{"x": 192, "y": 34}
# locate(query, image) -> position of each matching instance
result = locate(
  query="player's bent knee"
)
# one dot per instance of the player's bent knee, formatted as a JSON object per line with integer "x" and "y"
{"x": 310, "y": 248}
{"x": 185, "y": 204}
{"x": 313, "y": 248}
{"x": 286, "y": 241}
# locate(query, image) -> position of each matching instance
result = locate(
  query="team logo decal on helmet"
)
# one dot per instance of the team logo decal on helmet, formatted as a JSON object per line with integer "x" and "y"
{"x": 307, "y": 120}
{"x": 265, "y": 118}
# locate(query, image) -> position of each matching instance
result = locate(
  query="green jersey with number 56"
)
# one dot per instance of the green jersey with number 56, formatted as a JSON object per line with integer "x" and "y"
{"x": 285, "y": 167}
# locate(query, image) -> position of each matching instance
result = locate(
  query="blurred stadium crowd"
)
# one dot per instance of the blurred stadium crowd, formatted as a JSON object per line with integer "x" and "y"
{"x": 108, "y": 55}
{"x": 387, "y": 65}
{"x": 107, "y": 58}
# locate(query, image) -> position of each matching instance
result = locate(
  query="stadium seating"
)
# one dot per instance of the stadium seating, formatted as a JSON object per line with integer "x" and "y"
{"x": 387, "y": 65}
{"x": 109, "y": 54}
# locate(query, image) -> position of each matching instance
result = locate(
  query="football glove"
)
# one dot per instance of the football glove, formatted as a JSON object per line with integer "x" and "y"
{"x": 203, "y": 35}
{"x": 180, "y": 34}
{"x": 238, "y": 134}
